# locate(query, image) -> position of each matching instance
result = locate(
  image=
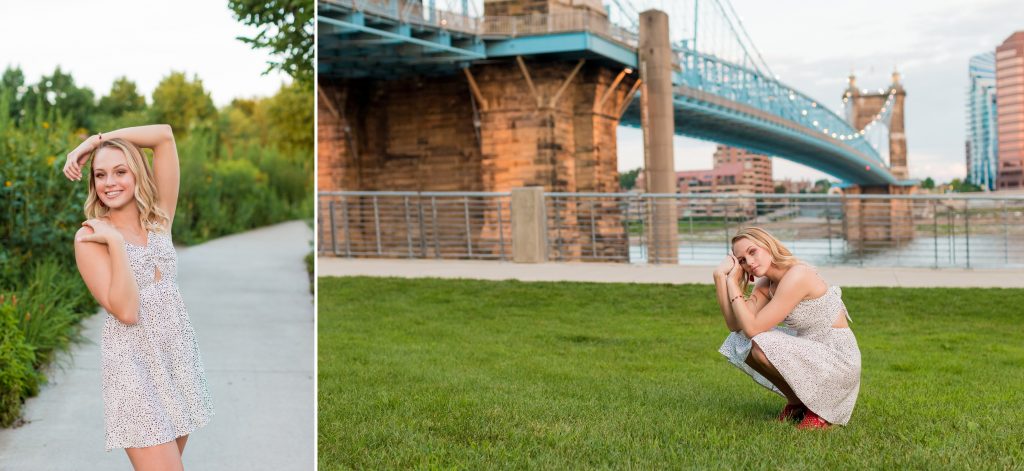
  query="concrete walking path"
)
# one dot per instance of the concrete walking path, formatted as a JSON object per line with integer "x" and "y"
{"x": 675, "y": 274}
{"x": 249, "y": 301}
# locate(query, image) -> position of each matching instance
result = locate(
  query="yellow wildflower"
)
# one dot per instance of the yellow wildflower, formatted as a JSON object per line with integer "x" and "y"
{"x": 7, "y": 183}
{"x": 50, "y": 160}
{"x": 46, "y": 125}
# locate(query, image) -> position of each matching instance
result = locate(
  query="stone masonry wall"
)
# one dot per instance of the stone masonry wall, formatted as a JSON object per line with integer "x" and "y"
{"x": 419, "y": 135}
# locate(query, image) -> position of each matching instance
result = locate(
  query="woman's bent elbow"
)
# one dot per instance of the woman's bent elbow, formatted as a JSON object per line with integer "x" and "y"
{"x": 128, "y": 317}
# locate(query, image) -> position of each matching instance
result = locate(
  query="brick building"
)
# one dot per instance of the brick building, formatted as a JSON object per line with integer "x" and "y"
{"x": 734, "y": 170}
{"x": 755, "y": 169}
{"x": 1010, "y": 112}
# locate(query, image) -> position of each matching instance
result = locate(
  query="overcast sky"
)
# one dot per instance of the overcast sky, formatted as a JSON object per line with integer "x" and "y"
{"x": 813, "y": 47}
{"x": 100, "y": 40}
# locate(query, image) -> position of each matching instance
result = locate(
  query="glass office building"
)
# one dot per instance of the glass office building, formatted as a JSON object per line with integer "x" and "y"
{"x": 982, "y": 143}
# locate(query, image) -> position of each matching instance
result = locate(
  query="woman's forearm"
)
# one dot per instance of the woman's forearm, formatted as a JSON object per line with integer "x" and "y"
{"x": 124, "y": 291}
{"x": 721, "y": 292}
{"x": 742, "y": 315}
{"x": 150, "y": 136}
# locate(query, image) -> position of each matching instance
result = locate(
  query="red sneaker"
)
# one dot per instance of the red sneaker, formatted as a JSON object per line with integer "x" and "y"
{"x": 812, "y": 420}
{"x": 791, "y": 412}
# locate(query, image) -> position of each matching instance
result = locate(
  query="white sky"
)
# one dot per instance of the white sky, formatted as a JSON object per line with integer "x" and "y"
{"x": 98, "y": 41}
{"x": 813, "y": 46}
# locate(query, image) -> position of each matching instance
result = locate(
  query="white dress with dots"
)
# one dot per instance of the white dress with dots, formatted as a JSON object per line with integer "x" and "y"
{"x": 154, "y": 387}
{"x": 819, "y": 362}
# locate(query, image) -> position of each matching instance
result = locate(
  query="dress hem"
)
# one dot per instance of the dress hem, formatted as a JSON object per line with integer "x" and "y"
{"x": 161, "y": 441}
{"x": 827, "y": 415}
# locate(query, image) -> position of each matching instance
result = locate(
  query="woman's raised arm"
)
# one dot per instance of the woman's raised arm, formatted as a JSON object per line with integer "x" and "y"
{"x": 722, "y": 293}
{"x": 792, "y": 289}
{"x": 158, "y": 137}
{"x": 757, "y": 300}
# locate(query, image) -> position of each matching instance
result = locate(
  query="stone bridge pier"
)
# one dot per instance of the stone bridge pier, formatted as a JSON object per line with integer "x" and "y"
{"x": 507, "y": 123}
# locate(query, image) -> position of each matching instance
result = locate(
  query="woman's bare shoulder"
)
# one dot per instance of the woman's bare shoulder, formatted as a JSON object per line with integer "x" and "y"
{"x": 83, "y": 231}
{"x": 802, "y": 270}
{"x": 800, "y": 277}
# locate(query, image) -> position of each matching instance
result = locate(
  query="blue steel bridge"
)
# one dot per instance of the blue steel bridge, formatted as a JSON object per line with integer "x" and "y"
{"x": 723, "y": 91}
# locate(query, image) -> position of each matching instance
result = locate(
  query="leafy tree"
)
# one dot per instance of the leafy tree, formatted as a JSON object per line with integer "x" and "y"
{"x": 959, "y": 186}
{"x": 780, "y": 188}
{"x": 59, "y": 92}
{"x": 237, "y": 123}
{"x": 123, "y": 98}
{"x": 181, "y": 103}
{"x": 288, "y": 117}
{"x": 627, "y": 180}
{"x": 928, "y": 184}
{"x": 13, "y": 79}
{"x": 821, "y": 186}
{"x": 12, "y": 84}
{"x": 285, "y": 28}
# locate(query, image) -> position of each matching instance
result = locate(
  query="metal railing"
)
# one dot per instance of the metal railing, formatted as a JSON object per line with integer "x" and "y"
{"x": 413, "y": 12}
{"x": 539, "y": 24}
{"x": 415, "y": 225}
{"x": 966, "y": 231}
{"x": 493, "y": 27}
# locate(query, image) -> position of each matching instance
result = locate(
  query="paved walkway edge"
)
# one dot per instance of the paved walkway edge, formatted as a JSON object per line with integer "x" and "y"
{"x": 674, "y": 274}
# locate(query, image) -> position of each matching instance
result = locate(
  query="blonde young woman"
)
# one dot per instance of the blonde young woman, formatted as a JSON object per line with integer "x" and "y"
{"x": 813, "y": 361}
{"x": 154, "y": 387}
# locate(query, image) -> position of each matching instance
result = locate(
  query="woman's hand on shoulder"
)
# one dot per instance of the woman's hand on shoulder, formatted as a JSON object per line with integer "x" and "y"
{"x": 99, "y": 231}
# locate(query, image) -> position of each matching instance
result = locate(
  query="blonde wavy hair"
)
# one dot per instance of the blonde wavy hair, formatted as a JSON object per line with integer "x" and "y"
{"x": 151, "y": 216}
{"x": 781, "y": 256}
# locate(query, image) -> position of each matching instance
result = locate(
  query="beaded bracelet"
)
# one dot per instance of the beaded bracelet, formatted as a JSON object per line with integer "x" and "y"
{"x": 734, "y": 298}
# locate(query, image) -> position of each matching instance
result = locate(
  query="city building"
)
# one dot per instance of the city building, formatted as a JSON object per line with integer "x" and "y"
{"x": 726, "y": 178}
{"x": 1010, "y": 112}
{"x": 755, "y": 172}
{"x": 981, "y": 142}
{"x": 734, "y": 170}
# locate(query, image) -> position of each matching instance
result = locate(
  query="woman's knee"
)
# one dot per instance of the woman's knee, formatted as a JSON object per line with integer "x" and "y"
{"x": 757, "y": 355}
{"x": 164, "y": 456}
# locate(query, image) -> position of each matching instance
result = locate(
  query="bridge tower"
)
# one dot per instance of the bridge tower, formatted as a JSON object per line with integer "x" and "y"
{"x": 863, "y": 218}
{"x": 868, "y": 104}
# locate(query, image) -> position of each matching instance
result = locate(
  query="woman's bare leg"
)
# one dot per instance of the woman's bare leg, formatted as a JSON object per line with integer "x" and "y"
{"x": 162, "y": 457}
{"x": 181, "y": 443}
{"x": 759, "y": 362}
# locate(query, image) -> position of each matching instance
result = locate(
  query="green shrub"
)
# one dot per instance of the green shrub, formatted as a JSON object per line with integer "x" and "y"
{"x": 53, "y": 301}
{"x": 18, "y": 377}
{"x": 39, "y": 208}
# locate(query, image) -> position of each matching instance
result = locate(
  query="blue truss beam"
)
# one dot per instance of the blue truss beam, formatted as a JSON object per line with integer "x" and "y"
{"x": 562, "y": 43}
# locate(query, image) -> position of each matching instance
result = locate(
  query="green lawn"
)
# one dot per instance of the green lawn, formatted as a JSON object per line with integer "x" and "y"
{"x": 458, "y": 374}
